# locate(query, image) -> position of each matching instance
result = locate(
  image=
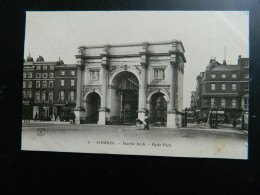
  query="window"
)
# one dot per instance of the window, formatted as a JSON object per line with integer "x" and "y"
{"x": 246, "y": 76}
{"x": 223, "y": 87}
{"x": 246, "y": 65}
{"x": 51, "y": 67}
{"x": 62, "y": 82}
{"x": 30, "y": 75}
{"x": 234, "y": 76}
{"x": 29, "y": 84}
{"x": 24, "y": 84}
{"x": 159, "y": 74}
{"x": 223, "y": 102}
{"x": 51, "y": 75}
{"x": 234, "y": 87}
{"x": 213, "y": 86}
{"x": 43, "y": 96}
{"x": 44, "y": 84}
{"x": 213, "y": 76}
{"x": 234, "y": 103}
{"x": 24, "y": 75}
{"x": 44, "y": 67}
{"x": 72, "y": 72}
{"x": 246, "y": 86}
{"x": 50, "y": 84}
{"x": 72, "y": 82}
{"x": 62, "y": 95}
{"x": 44, "y": 75}
{"x": 212, "y": 101}
{"x": 62, "y": 72}
{"x": 38, "y": 75}
{"x": 50, "y": 96}
{"x": 24, "y": 94}
{"x": 38, "y": 84}
{"x": 72, "y": 95}
{"x": 29, "y": 94}
{"x": 37, "y": 96}
{"x": 38, "y": 67}
{"x": 223, "y": 76}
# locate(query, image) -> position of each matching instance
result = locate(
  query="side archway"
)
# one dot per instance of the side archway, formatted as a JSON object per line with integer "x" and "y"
{"x": 93, "y": 101}
{"x": 158, "y": 102}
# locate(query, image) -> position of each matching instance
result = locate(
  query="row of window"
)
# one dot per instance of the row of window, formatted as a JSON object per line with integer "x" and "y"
{"x": 27, "y": 84}
{"x": 27, "y": 94}
{"x": 45, "y": 67}
{"x": 48, "y": 96}
{"x": 223, "y": 87}
{"x": 44, "y": 75}
{"x": 72, "y": 82}
{"x": 233, "y": 76}
{"x": 44, "y": 84}
{"x": 43, "y": 96}
{"x": 27, "y": 75}
{"x": 62, "y": 96}
{"x": 63, "y": 72}
{"x": 223, "y": 102}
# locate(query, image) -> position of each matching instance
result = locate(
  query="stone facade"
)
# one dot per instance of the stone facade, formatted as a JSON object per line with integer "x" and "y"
{"x": 126, "y": 81}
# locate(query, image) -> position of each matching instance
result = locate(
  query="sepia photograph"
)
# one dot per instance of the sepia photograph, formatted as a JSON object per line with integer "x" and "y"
{"x": 150, "y": 83}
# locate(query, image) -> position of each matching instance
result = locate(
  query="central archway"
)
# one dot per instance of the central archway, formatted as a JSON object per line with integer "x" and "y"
{"x": 124, "y": 98}
{"x": 92, "y": 107}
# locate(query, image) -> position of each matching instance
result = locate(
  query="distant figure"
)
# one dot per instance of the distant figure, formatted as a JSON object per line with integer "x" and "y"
{"x": 146, "y": 122}
{"x": 234, "y": 123}
{"x": 73, "y": 117}
{"x": 55, "y": 117}
{"x": 36, "y": 116}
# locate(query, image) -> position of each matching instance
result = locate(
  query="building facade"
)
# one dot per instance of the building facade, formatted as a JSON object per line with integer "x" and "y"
{"x": 41, "y": 81}
{"x": 223, "y": 87}
{"x": 120, "y": 83}
{"x": 65, "y": 87}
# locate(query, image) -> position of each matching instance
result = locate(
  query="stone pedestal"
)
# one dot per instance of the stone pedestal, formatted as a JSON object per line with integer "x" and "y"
{"x": 141, "y": 115}
{"x": 78, "y": 113}
{"x": 102, "y": 117}
{"x": 171, "y": 120}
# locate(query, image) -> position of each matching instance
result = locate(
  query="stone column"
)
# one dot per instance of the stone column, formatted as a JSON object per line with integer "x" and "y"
{"x": 171, "y": 114}
{"x": 78, "y": 111}
{"x": 103, "y": 109}
{"x": 143, "y": 84}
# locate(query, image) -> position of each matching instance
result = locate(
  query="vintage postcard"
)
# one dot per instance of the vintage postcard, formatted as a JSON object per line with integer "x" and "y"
{"x": 156, "y": 83}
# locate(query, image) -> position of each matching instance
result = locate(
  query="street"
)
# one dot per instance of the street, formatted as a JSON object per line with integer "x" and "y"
{"x": 192, "y": 141}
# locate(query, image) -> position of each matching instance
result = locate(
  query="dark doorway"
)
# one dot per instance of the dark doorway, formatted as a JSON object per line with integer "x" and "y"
{"x": 92, "y": 109}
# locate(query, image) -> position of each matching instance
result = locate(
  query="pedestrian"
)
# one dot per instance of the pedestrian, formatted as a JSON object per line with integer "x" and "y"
{"x": 234, "y": 123}
{"x": 73, "y": 117}
{"x": 146, "y": 122}
{"x": 55, "y": 117}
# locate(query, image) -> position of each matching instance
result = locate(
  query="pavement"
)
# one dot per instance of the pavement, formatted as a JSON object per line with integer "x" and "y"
{"x": 192, "y": 141}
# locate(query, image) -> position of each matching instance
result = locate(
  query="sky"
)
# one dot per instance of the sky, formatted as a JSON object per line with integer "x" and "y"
{"x": 204, "y": 35}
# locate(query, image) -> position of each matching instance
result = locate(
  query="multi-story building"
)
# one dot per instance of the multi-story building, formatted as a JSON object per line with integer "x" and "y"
{"x": 223, "y": 87}
{"x": 28, "y": 88}
{"x": 65, "y": 90}
{"x": 38, "y": 88}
